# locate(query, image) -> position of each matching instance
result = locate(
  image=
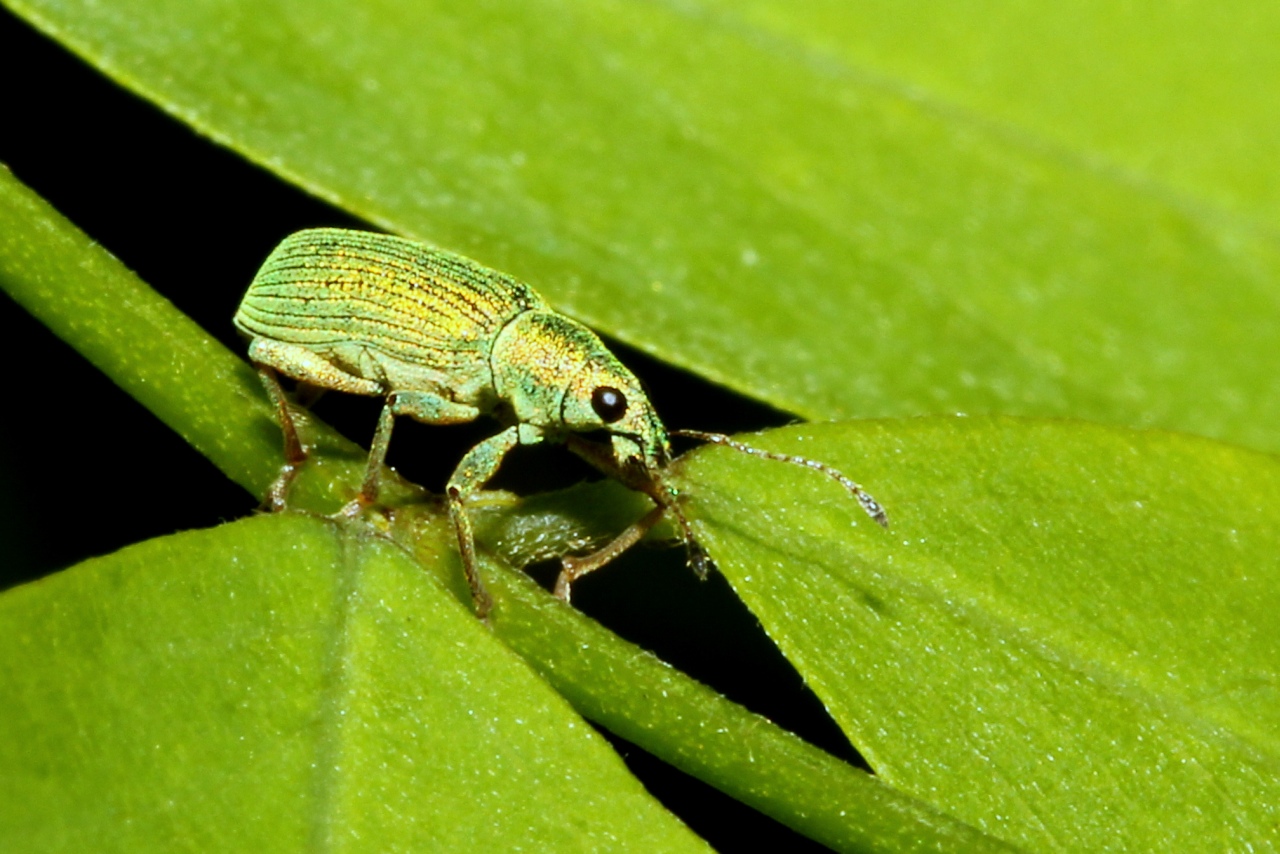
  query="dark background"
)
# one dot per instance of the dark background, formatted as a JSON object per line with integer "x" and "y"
{"x": 86, "y": 470}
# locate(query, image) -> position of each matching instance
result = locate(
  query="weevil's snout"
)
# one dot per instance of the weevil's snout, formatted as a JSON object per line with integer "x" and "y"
{"x": 636, "y": 437}
{"x": 609, "y": 402}
{"x": 643, "y": 454}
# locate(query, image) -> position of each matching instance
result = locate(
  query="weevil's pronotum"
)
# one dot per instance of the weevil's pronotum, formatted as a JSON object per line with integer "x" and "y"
{"x": 444, "y": 340}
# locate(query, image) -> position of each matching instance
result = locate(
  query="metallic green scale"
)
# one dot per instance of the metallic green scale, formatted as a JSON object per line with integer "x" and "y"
{"x": 385, "y": 309}
{"x": 445, "y": 340}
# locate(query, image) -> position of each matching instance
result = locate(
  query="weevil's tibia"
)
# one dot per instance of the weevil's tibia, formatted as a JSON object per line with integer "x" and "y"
{"x": 480, "y": 597}
{"x": 869, "y": 504}
{"x": 294, "y": 454}
{"x": 378, "y": 454}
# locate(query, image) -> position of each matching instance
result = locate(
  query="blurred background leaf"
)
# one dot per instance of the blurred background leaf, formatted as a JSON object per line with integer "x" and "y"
{"x": 791, "y": 200}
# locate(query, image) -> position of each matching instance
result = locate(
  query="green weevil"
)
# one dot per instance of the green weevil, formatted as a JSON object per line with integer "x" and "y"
{"x": 444, "y": 339}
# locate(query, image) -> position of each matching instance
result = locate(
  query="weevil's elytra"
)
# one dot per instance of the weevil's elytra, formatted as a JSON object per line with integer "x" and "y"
{"x": 444, "y": 340}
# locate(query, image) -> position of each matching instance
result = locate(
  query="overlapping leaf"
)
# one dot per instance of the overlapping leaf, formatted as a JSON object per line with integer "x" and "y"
{"x": 213, "y": 690}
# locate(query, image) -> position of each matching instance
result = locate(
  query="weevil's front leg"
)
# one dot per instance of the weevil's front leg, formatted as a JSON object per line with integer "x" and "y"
{"x": 476, "y": 469}
{"x": 572, "y": 568}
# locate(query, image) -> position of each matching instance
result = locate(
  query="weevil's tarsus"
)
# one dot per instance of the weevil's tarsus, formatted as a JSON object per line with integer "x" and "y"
{"x": 697, "y": 556}
{"x": 869, "y": 504}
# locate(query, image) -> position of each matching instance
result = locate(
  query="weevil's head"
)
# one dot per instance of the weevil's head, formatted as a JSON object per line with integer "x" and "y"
{"x": 613, "y": 425}
{"x": 558, "y": 376}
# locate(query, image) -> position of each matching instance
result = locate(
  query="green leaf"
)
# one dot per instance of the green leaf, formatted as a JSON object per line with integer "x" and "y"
{"x": 205, "y": 393}
{"x": 645, "y": 701}
{"x": 1181, "y": 98}
{"x": 1069, "y": 638}
{"x": 278, "y": 684}
{"x": 1068, "y": 631}
{"x": 787, "y": 199}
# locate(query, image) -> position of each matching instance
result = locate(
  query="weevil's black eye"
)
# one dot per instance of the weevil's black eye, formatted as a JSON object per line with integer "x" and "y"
{"x": 609, "y": 403}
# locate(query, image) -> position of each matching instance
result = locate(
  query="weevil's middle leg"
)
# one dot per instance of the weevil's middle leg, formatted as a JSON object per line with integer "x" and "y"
{"x": 276, "y": 357}
{"x": 294, "y": 454}
{"x": 477, "y": 467}
{"x": 425, "y": 407}
{"x": 373, "y": 469}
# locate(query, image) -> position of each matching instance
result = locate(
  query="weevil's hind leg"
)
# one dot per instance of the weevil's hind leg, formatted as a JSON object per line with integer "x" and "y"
{"x": 294, "y": 454}
{"x": 477, "y": 467}
{"x": 276, "y": 357}
{"x": 307, "y": 394}
{"x": 572, "y": 568}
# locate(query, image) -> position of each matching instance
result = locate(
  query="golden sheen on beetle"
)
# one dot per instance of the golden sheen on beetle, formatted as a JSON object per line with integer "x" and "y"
{"x": 444, "y": 340}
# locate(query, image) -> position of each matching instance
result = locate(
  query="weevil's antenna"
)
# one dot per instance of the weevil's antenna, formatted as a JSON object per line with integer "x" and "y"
{"x": 873, "y": 508}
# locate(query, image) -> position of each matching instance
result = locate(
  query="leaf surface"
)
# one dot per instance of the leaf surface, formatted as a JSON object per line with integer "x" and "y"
{"x": 782, "y": 199}
{"x": 277, "y": 684}
{"x": 1068, "y": 638}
